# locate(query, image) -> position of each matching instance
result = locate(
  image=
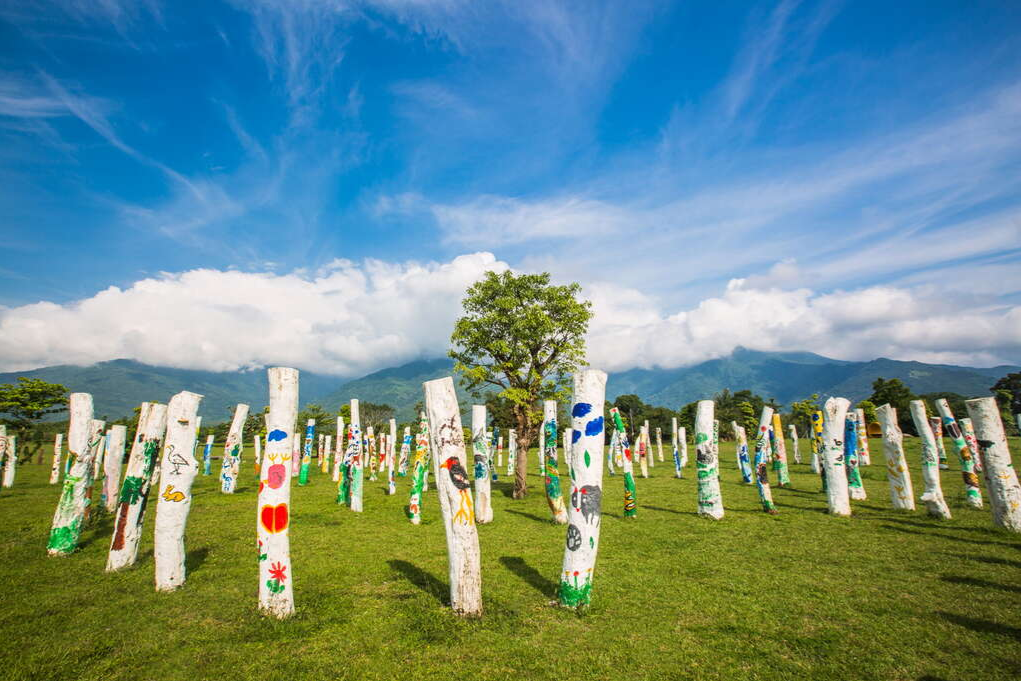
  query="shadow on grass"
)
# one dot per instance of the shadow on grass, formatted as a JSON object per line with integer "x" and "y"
{"x": 989, "y": 560}
{"x": 936, "y": 524}
{"x": 533, "y": 577}
{"x": 950, "y": 537}
{"x": 194, "y": 559}
{"x": 666, "y": 510}
{"x": 422, "y": 579}
{"x": 981, "y": 626}
{"x": 972, "y": 581}
{"x": 99, "y": 529}
{"x": 530, "y": 516}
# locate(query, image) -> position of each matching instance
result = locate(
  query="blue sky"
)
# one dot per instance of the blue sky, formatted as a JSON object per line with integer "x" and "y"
{"x": 714, "y": 174}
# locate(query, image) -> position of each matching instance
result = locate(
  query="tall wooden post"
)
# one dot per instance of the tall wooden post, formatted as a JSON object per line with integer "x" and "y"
{"x": 902, "y": 494}
{"x": 512, "y": 451}
{"x": 743, "y": 462}
{"x": 112, "y": 466}
{"x": 864, "y": 456}
{"x": 177, "y": 473}
{"x": 306, "y": 452}
{"x": 10, "y": 461}
{"x": 817, "y": 444}
{"x": 418, "y": 470}
{"x": 70, "y": 514}
{"x": 455, "y": 496}
{"x": 339, "y": 456}
{"x": 276, "y": 579}
{"x": 549, "y": 450}
{"x": 1001, "y": 478}
{"x": 968, "y": 431}
{"x": 391, "y": 458}
{"x": 932, "y": 497}
{"x": 972, "y": 491}
{"x": 677, "y": 451}
{"x": 761, "y": 457}
{"x": 141, "y": 474}
{"x": 780, "y": 455}
{"x": 230, "y": 468}
{"x": 585, "y": 511}
{"x": 682, "y": 437}
{"x": 402, "y": 466}
{"x": 937, "y": 434}
{"x": 832, "y": 455}
{"x": 626, "y": 466}
{"x": 795, "y": 450}
{"x": 356, "y": 468}
{"x": 480, "y": 450}
{"x": 207, "y": 456}
{"x": 855, "y": 487}
{"x": 710, "y": 501}
{"x": 58, "y": 446}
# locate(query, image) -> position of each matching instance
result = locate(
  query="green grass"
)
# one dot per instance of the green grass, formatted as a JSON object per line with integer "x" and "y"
{"x": 882, "y": 595}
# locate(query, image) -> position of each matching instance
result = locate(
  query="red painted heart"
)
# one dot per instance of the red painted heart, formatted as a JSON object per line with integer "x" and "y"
{"x": 274, "y": 518}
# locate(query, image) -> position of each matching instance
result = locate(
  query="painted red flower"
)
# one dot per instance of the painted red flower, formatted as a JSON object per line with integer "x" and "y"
{"x": 278, "y": 572}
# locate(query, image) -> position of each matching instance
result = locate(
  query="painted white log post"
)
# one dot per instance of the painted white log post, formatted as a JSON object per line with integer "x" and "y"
{"x": 306, "y": 452}
{"x": 295, "y": 454}
{"x": 795, "y": 448}
{"x": 327, "y": 451}
{"x": 741, "y": 443}
{"x": 554, "y": 498}
{"x": 566, "y": 447}
{"x": 932, "y": 496}
{"x": 257, "y": 441}
{"x": 832, "y": 455}
{"x": 480, "y": 452}
{"x": 817, "y": 444}
{"x": 112, "y": 466}
{"x": 455, "y": 496}
{"x": 969, "y": 437}
{"x": 178, "y": 469}
{"x": 338, "y": 456}
{"x": 370, "y": 450}
{"x": 972, "y": 491}
{"x": 356, "y": 468}
{"x": 710, "y": 501}
{"x": 682, "y": 436}
{"x": 674, "y": 443}
{"x": 512, "y": 451}
{"x": 10, "y": 460}
{"x": 648, "y": 444}
{"x": 659, "y": 444}
{"x": 936, "y": 424}
{"x": 276, "y": 580}
{"x": 391, "y": 458}
{"x": 499, "y": 452}
{"x": 320, "y": 450}
{"x": 780, "y": 453}
{"x": 864, "y": 455}
{"x": 58, "y": 447}
{"x": 70, "y": 514}
{"x": 418, "y": 470}
{"x": 97, "y": 465}
{"x": 585, "y": 510}
{"x": 643, "y": 451}
{"x": 139, "y": 477}
{"x": 855, "y": 486}
{"x": 207, "y": 456}
{"x": 230, "y": 469}
{"x": 902, "y": 495}
{"x": 761, "y": 457}
{"x": 402, "y": 465}
{"x": 1001, "y": 478}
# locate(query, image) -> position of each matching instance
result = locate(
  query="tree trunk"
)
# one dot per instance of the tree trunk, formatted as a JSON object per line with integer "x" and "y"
{"x": 402, "y": 466}
{"x": 902, "y": 495}
{"x": 370, "y": 449}
{"x": 320, "y": 451}
{"x": 933, "y": 494}
{"x": 306, "y": 452}
{"x": 626, "y": 465}
{"x": 743, "y": 462}
{"x": 674, "y": 443}
{"x": 855, "y": 487}
{"x": 177, "y": 473}
{"x": 643, "y": 451}
{"x": 324, "y": 464}
{"x": 973, "y": 492}
{"x": 339, "y": 456}
{"x": 138, "y": 479}
{"x": 97, "y": 464}
{"x": 780, "y": 455}
{"x": 761, "y": 456}
{"x": 585, "y": 511}
{"x": 257, "y": 441}
{"x": 230, "y": 468}
{"x": 832, "y": 455}
{"x": 864, "y": 455}
{"x": 454, "y": 491}
{"x": 710, "y": 502}
{"x": 276, "y": 579}
{"x": 817, "y": 445}
{"x": 795, "y": 449}
{"x": 523, "y": 440}
{"x": 682, "y": 439}
{"x": 70, "y": 514}
{"x": 58, "y": 446}
{"x": 480, "y": 451}
{"x": 207, "y": 456}
{"x": 11, "y": 461}
{"x": 356, "y": 468}
{"x": 549, "y": 453}
{"x": 112, "y": 466}
{"x": 1001, "y": 478}
{"x": 391, "y": 456}
{"x": 937, "y": 434}
{"x": 969, "y": 436}
{"x": 418, "y": 469}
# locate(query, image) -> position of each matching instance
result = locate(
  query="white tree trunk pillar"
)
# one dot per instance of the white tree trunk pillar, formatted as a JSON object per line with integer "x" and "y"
{"x": 674, "y": 443}
{"x": 9, "y": 456}
{"x": 276, "y": 580}
{"x": 932, "y": 496}
{"x": 972, "y": 491}
{"x": 112, "y": 466}
{"x": 405, "y": 456}
{"x": 499, "y": 451}
{"x": 418, "y": 470}
{"x": 648, "y": 444}
{"x": 356, "y": 468}
{"x": 138, "y": 479}
{"x": 744, "y": 464}
{"x": 817, "y": 444}
{"x": 58, "y": 447}
{"x": 855, "y": 487}
{"x": 230, "y": 468}
{"x": 70, "y": 514}
{"x": 832, "y": 455}
{"x": 320, "y": 450}
{"x": 295, "y": 453}
{"x": 178, "y": 469}
{"x": 339, "y": 455}
{"x": 864, "y": 455}
{"x": 585, "y": 511}
{"x": 207, "y": 456}
{"x": 969, "y": 436}
{"x": 257, "y": 442}
{"x": 391, "y": 456}
{"x": 370, "y": 441}
{"x": 480, "y": 452}
{"x": 936, "y": 425}
{"x": 327, "y": 451}
{"x": 306, "y": 453}
{"x": 626, "y": 466}
{"x": 552, "y": 476}
{"x": 795, "y": 448}
{"x": 1001, "y": 478}
{"x": 643, "y": 451}
{"x": 659, "y": 444}
{"x": 97, "y": 465}
{"x": 902, "y": 495}
{"x": 512, "y": 451}
{"x": 710, "y": 501}
{"x": 566, "y": 448}
{"x": 97, "y": 444}
{"x": 780, "y": 455}
{"x": 455, "y": 496}
{"x": 682, "y": 436}
{"x": 761, "y": 457}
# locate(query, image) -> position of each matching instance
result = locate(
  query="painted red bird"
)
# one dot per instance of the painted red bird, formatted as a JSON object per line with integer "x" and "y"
{"x": 458, "y": 475}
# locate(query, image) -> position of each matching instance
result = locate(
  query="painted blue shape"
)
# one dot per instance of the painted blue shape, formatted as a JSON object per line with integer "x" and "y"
{"x": 575, "y": 436}
{"x": 595, "y": 426}
{"x": 581, "y": 409}
{"x": 275, "y": 435}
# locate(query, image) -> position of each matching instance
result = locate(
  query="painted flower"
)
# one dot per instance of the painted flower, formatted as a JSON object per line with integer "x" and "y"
{"x": 278, "y": 572}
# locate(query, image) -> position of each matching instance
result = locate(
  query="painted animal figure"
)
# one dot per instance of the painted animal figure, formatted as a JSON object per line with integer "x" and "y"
{"x": 170, "y": 494}
{"x": 588, "y": 499}
{"x": 459, "y": 478}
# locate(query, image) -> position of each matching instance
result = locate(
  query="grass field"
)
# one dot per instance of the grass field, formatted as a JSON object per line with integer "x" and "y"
{"x": 882, "y": 595}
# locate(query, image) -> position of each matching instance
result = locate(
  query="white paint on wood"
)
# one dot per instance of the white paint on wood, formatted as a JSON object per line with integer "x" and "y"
{"x": 70, "y": 514}
{"x": 480, "y": 463}
{"x": 997, "y": 467}
{"x": 58, "y": 447}
{"x": 932, "y": 496}
{"x": 338, "y": 456}
{"x": 902, "y": 495}
{"x": 832, "y": 455}
{"x": 112, "y": 466}
{"x": 710, "y": 500}
{"x": 230, "y": 468}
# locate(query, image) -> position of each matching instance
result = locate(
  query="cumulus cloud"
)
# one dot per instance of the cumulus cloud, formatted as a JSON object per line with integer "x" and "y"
{"x": 352, "y": 318}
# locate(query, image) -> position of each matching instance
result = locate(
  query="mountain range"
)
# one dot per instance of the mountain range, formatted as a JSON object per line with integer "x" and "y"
{"x": 120, "y": 385}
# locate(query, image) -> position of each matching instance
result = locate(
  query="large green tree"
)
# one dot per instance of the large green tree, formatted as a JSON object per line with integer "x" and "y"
{"x": 521, "y": 336}
{"x": 25, "y": 402}
{"x": 898, "y": 396}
